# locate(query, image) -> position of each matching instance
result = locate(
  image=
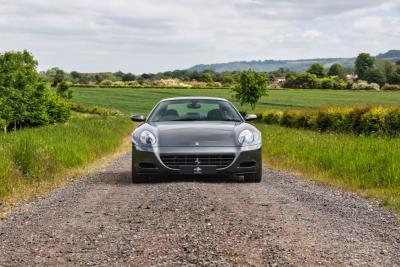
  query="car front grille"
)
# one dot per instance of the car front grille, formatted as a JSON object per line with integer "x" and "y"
{"x": 218, "y": 160}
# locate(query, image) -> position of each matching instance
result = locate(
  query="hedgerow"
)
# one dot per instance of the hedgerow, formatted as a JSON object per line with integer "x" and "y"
{"x": 372, "y": 120}
{"x": 93, "y": 110}
{"x": 391, "y": 87}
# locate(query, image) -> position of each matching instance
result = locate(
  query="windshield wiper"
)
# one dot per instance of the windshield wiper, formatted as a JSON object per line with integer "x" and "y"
{"x": 205, "y": 120}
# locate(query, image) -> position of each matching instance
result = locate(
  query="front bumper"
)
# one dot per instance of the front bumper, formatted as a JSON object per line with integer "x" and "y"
{"x": 247, "y": 160}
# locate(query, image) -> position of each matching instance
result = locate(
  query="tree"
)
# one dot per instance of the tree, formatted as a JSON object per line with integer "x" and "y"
{"x": 5, "y": 111}
{"x": 128, "y": 77}
{"x": 206, "y": 77}
{"x": 75, "y": 75}
{"x": 252, "y": 86}
{"x": 337, "y": 70}
{"x": 302, "y": 80}
{"x": 316, "y": 69}
{"x": 390, "y": 70}
{"x": 24, "y": 95}
{"x": 63, "y": 90}
{"x": 55, "y": 75}
{"x": 228, "y": 78}
{"x": 363, "y": 63}
{"x": 119, "y": 74}
{"x": 375, "y": 75}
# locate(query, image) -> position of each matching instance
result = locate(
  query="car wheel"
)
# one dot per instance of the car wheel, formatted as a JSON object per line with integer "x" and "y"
{"x": 254, "y": 177}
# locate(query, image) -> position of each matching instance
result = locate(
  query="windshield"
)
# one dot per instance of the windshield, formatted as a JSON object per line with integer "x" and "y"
{"x": 194, "y": 110}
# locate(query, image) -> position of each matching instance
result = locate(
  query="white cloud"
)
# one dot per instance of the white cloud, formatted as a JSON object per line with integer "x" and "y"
{"x": 377, "y": 24}
{"x": 312, "y": 34}
{"x": 155, "y": 35}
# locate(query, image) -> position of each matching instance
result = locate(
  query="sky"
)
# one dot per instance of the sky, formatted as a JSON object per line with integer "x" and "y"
{"x": 157, "y": 35}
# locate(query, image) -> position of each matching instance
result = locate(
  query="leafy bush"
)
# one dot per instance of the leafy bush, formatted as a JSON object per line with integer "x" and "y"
{"x": 271, "y": 117}
{"x": 376, "y": 120}
{"x": 392, "y": 122}
{"x": 58, "y": 109}
{"x": 311, "y": 81}
{"x": 119, "y": 84}
{"x": 326, "y": 83}
{"x": 364, "y": 85}
{"x": 106, "y": 82}
{"x": 391, "y": 87}
{"x": 373, "y": 121}
{"x": 302, "y": 80}
{"x": 93, "y": 110}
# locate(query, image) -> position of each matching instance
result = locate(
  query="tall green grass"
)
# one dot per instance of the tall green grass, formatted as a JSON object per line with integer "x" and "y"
{"x": 33, "y": 156}
{"x": 366, "y": 164}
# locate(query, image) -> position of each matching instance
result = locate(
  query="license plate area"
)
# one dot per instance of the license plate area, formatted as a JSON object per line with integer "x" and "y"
{"x": 193, "y": 169}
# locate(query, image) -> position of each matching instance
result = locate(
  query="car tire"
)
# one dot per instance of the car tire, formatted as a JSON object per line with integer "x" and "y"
{"x": 254, "y": 177}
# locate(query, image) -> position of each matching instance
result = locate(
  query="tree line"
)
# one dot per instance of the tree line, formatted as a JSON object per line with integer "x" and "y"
{"x": 367, "y": 73}
{"x": 56, "y": 75}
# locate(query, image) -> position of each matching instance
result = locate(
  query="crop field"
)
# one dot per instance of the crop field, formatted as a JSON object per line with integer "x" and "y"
{"x": 132, "y": 100}
{"x": 369, "y": 165}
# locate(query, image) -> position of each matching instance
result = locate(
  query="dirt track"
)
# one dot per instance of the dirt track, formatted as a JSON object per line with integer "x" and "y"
{"x": 104, "y": 220}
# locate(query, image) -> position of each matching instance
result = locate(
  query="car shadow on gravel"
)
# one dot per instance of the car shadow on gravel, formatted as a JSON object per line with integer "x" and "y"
{"x": 124, "y": 178}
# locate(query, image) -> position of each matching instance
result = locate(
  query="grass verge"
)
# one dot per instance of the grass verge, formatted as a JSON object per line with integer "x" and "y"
{"x": 366, "y": 165}
{"x": 36, "y": 160}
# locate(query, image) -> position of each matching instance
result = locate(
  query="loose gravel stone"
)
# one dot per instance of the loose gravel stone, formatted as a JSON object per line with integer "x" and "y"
{"x": 104, "y": 220}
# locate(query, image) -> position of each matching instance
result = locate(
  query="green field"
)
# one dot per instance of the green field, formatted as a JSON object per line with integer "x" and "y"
{"x": 369, "y": 165}
{"x": 132, "y": 100}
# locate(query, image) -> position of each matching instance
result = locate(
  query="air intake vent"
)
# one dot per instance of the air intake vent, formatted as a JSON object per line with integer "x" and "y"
{"x": 218, "y": 160}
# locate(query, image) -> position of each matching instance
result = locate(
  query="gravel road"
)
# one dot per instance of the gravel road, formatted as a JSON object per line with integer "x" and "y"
{"x": 104, "y": 220}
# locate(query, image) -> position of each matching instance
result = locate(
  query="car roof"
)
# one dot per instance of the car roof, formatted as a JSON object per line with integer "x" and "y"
{"x": 193, "y": 97}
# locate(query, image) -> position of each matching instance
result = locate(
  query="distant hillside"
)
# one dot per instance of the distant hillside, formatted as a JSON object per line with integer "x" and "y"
{"x": 392, "y": 55}
{"x": 295, "y": 65}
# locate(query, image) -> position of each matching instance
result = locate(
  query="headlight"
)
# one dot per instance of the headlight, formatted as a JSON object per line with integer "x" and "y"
{"x": 147, "y": 138}
{"x": 246, "y": 137}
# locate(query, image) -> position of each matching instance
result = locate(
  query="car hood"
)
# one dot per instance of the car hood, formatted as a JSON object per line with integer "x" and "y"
{"x": 195, "y": 134}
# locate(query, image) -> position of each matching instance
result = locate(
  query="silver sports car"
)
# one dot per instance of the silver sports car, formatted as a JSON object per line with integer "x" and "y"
{"x": 196, "y": 136}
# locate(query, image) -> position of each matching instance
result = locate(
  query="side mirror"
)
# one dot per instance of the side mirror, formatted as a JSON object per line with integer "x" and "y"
{"x": 250, "y": 117}
{"x": 138, "y": 118}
